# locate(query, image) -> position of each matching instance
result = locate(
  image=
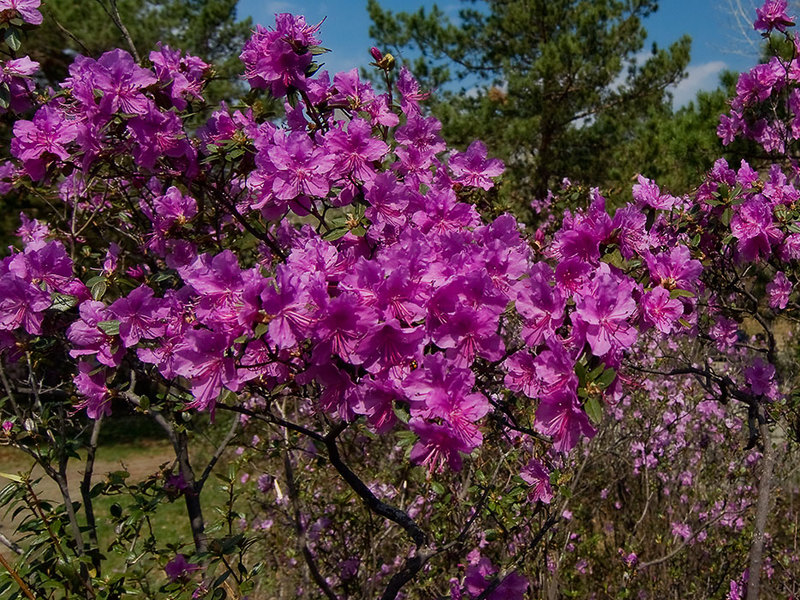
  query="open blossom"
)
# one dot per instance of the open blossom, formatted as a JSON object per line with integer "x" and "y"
{"x": 779, "y": 291}
{"x": 535, "y": 475}
{"x": 471, "y": 167}
{"x": 179, "y": 567}
{"x": 772, "y": 15}
{"x": 28, "y": 10}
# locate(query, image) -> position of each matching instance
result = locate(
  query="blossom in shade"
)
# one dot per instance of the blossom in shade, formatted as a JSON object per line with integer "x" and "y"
{"x": 647, "y": 193}
{"x": 561, "y": 417}
{"x": 202, "y": 359}
{"x": 779, "y": 290}
{"x": 437, "y": 445}
{"x": 761, "y": 378}
{"x": 479, "y": 576}
{"x": 179, "y": 568}
{"x": 91, "y": 384}
{"x": 535, "y": 475}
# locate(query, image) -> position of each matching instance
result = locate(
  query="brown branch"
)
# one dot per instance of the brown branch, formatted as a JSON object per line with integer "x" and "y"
{"x": 15, "y": 576}
{"x": 762, "y": 512}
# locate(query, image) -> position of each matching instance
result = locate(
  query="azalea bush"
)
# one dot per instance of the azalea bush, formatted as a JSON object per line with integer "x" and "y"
{"x": 411, "y": 385}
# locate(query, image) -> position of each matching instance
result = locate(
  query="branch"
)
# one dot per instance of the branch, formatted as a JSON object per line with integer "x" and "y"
{"x": 114, "y": 16}
{"x": 86, "y": 483}
{"x": 762, "y": 511}
{"x": 373, "y": 503}
{"x": 218, "y": 454}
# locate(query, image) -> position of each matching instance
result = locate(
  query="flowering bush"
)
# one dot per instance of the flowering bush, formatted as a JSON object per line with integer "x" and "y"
{"x": 328, "y": 280}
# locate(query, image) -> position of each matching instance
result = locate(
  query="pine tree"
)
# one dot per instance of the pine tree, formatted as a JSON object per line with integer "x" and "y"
{"x": 554, "y": 85}
{"x": 206, "y": 28}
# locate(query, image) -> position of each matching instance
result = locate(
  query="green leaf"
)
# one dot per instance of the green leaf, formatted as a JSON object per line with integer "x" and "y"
{"x": 437, "y": 487}
{"x": 606, "y": 379}
{"x": 109, "y": 327}
{"x": 5, "y": 95}
{"x": 677, "y": 293}
{"x": 593, "y": 410}
{"x": 335, "y": 234}
{"x": 99, "y": 289}
{"x": 11, "y": 477}
{"x": 12, "y": 38}
{"x": 63, "y": 302}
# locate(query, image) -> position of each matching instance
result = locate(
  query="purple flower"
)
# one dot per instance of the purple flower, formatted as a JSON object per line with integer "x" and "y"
{"x": 277, "y": 59}
{"x": 605, "y": 313}
{"x": 27, "y": 9}
{"x": 437, "y": 445}
{"x": 753, "y": 226}
{"x": 561, "y": 417}
{"x": 772, "y": 15}
{"x": 91, "y": 384}
{"x": 301, "y": 167}
{"x": 647, "y": 193}
{"x": 179, "y": 568}
{"x": 202, "y": 359}
{"x": 140, "y": 316}
{"x": 535, "y": 475}
{"x": 660, "y": 310}
{"x": 356, "y": 151}
{"x": 479, "y": 576}
{"x": 779, "y": 291}
{"x": 47, "y": 135}
{"x": 761, "y": 378}
{"x": 22, "y": 304}
{"x": 471, "y": 167}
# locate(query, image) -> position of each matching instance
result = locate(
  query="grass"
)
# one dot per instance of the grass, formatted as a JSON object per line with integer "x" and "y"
{"x": 134, "y": 444}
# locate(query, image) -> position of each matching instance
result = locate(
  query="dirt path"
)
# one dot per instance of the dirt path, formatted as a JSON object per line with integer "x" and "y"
{"x": 141, "y": 461}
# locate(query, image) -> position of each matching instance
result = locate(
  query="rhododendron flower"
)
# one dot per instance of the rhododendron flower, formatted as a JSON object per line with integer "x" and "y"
{"x": 479, "y": 576}
{"x": 779, "y": 291}
{"x": 605, "y": 313}
{"x": 660, "y": 310}
{"x": 725, "y": 332}
{"x": 27, "y": 9}
{"x": 752, "y": 225}
{"x": 22, "y": 304}
{"x": 471, "y": 167}
{"x": 761, "y": 378}
{"x": 202, "y": 359}
{"x": 535, "y": 475}
{"x": 47, "y": 135}
{"x": 437, "y": 445}
{"x": 140, "y": 316}
{"x": 772, "y": 15}
{"x": 647, "y": 193}
{"x": 91, "y": 384}
{"x": 561, "y": 417}
{"x": 179, "y": 568}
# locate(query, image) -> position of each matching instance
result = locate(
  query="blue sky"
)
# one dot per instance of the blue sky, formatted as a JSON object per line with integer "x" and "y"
{"x": 717, "y": 41}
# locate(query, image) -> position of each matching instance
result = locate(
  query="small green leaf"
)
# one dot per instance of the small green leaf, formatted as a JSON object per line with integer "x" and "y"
{"x": 678, "y": 293}
{"x": 11, "y": 477}
{"x": 593, "y": 410}
{"x": 437, "y": 487}
{"x": 5, "y": 95}
{"x": 12, "y": 38}
{"x": 260, "y": 330}
{"x": 606, "y": 379}
{"x": 335, "y": 234}
{"x": 109, "y": 327}
{"x": 99, "y": 289}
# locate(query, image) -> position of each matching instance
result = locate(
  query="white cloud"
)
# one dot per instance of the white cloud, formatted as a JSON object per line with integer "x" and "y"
{"x": 704, "y": 76}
